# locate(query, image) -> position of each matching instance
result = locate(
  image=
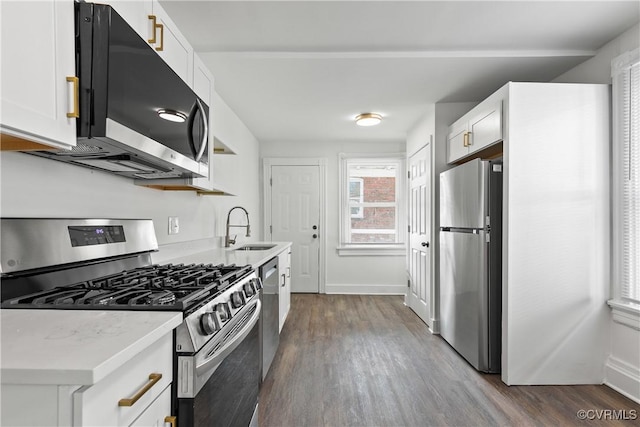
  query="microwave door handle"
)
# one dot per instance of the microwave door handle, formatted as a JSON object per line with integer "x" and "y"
{"x": 205, "y": 137}
{"x": 190, "y": 123}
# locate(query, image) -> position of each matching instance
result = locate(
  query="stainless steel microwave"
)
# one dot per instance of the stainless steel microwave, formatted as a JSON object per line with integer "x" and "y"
{"x": 138, "y": 118}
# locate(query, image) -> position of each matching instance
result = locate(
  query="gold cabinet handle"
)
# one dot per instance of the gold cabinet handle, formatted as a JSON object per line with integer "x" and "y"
{"x": 171, "y": 420}
{"x": 153, "y": 379}
{"x": 466, "y": 140}
{"x": 161, "y": 47}
{"x": 76, "y": 109}
{"x": 154, "y": 25}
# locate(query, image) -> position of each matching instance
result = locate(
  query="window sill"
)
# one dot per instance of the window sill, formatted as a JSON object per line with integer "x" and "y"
{"x": 626, "y": 313}
{"x": 371, "y": 250}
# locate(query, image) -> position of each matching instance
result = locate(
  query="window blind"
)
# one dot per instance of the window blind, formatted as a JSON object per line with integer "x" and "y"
{"x": 627, "y": 90}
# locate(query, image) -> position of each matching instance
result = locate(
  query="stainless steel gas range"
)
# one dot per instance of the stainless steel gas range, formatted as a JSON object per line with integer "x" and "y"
{"x": 105, "y": 264}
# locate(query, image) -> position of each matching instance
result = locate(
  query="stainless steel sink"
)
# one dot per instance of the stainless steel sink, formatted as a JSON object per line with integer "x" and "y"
{"x": 255, "y": 247}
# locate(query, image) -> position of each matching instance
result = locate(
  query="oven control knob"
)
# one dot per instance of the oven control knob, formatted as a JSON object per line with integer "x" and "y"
{"x": 223, "y": 311}
{"x": 258, "y": 284}
{"x": 249, "y": 290}
{"x": 237, "y": 299}
{"x": 208, "y": 323}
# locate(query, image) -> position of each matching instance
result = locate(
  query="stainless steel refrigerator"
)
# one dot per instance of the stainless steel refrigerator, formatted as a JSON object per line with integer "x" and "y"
{"x": 471, "y": 261}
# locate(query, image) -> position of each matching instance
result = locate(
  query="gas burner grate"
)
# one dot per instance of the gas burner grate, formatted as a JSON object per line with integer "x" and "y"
{"x": 177, "y": 287}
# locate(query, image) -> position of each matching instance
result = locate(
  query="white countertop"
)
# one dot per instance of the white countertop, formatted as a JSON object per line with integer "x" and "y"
{"x": 80, "y": 347}
{"x": 231, "y": 256}
{"x": 76, "y": 347}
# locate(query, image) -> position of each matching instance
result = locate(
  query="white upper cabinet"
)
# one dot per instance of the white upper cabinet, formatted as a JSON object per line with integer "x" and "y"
{"x": 39, "y": 89}
{"x": 137, "y": 14}
{"x": 202, "y": 80}
{"x": 153, "y": 24}
{"x": 171, "y": 45}
{"x": 476, "y": 130}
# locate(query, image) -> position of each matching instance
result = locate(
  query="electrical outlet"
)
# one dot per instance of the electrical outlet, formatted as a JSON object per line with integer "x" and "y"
{"x": 174, "y": 225}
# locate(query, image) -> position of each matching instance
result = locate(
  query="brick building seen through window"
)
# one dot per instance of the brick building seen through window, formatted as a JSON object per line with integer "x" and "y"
{"x": 372, "y": 224}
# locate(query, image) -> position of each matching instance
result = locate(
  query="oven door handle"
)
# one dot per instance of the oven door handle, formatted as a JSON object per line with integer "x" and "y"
{"x": 219, "y": 355}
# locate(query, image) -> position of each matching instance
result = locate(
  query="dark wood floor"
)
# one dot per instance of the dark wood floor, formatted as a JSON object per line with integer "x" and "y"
{"x": 352, "y": 360}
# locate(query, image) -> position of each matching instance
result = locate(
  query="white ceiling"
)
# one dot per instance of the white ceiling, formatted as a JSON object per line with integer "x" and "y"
{"x": 301, "y": 70}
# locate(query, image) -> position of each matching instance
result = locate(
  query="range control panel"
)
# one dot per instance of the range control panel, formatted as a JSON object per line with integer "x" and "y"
{"x": 88, "y": 235}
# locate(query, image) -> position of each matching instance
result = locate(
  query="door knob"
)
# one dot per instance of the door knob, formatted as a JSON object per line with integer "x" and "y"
{"x": 315, "y": 236}
{"x": 315, "y": 227}
{"x": 425, "y": 244}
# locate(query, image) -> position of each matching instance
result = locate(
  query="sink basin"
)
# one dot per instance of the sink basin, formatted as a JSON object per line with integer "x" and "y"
{"x": 255, "y": 247}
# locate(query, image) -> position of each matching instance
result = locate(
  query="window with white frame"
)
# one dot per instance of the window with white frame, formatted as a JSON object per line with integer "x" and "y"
{"x": 626, "y": 184}
{"x": 371, "y": 197}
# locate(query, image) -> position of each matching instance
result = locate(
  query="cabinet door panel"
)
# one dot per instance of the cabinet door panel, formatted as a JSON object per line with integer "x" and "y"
{"x": 36, "y": 96}
{"x": 172, "y": 46}
{"x": 202, "y": 80}
{"x": 455, "y": 142}
{"x": 486, "y": 127}
{"x": 97, "y": 405}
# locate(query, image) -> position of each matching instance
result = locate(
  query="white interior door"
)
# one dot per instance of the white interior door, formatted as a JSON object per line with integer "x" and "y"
{"x": 295, "y": 217}
{"x": 419, "y": 233}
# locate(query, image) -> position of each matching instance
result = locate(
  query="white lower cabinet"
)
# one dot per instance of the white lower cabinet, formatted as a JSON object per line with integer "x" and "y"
{"x": 284, "y": 273}
{"x": 137, "y": 391}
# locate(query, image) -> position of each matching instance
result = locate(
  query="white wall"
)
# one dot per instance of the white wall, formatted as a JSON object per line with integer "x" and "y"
{"x": 346, "y": 274}
{"x": 35, "y": 187}
{"x": 622, "y": 370}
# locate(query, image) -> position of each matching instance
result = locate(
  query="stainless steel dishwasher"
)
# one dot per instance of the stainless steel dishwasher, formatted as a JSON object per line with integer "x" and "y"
{"x": 270, "y": 337}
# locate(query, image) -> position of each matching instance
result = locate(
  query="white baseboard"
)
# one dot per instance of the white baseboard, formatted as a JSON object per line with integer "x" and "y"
{"x": 623, "y": 378}
{"x": 366, "y": 289}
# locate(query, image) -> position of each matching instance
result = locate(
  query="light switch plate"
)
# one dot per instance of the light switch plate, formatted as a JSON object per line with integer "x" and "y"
{"x": 174, "y": 225}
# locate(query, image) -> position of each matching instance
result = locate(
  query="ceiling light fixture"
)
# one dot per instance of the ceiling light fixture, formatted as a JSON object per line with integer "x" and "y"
{"x": 368, "y": 119}
{"x": 172, "y": 115}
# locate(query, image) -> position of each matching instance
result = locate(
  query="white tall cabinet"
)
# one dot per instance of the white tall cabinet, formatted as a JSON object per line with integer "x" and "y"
{"x": 39, "y": 89}
{"x": 556, "y": 233}
{"x": 556, "y": 236}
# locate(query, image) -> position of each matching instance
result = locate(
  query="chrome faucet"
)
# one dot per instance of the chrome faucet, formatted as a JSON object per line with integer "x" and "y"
{"x": 228, "y": 241}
